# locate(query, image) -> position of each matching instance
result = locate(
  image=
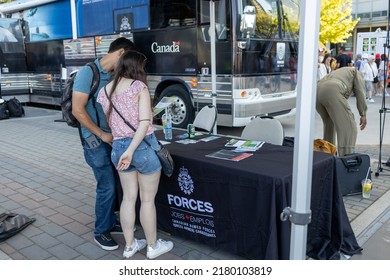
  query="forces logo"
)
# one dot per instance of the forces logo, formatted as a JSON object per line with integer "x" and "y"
{"x": 185, "y": 181}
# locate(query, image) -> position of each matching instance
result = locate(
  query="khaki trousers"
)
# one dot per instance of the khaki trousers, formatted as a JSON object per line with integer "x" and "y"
{"x": 338, "y": 118}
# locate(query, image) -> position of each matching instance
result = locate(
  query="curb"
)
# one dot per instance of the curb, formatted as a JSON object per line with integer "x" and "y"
{"x": 364, "y": 226}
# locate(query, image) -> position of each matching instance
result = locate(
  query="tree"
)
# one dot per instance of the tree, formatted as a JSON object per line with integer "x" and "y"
{"x": 336, "y": 24}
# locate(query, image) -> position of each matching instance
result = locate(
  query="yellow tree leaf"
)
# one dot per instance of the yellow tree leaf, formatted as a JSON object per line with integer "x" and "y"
{"x": 336, "y": 24}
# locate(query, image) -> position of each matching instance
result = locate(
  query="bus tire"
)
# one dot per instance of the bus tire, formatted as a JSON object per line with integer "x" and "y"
{"x": 183, "y": 111}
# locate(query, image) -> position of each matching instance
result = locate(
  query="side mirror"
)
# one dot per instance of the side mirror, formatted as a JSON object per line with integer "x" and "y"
{"x": 248, "y": 21}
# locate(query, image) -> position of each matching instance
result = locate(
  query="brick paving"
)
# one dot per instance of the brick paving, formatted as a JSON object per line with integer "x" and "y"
{"x": 43, "y": 175}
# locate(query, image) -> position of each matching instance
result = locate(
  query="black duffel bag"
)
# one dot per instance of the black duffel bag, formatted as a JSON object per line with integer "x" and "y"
{"x": 12, "y": 223}
{"x": 4, "y": 114}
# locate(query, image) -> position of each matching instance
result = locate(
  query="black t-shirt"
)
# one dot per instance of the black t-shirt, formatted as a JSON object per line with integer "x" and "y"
{"x": 343, "y": 60}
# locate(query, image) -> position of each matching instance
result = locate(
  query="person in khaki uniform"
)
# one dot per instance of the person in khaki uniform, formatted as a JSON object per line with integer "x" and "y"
{"x": 333, "y": 92}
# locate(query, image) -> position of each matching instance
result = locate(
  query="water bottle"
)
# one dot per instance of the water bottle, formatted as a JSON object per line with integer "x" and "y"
{"x": 163, "y": 122}
{"x": 168, "y": 127}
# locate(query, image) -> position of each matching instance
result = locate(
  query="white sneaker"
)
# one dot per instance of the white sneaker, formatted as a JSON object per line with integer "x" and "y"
{"x": 370, "y": 100}
{"x": 387, "y": 94}
{"x": 137, "y": 245}
{"x": 160, "y": 247}
{"x": 378, "y": 94}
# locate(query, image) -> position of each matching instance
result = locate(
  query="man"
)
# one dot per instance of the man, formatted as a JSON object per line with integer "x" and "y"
{"x": 333, "y": 92}
{"x": 343, "y": 60}
{"x": 358, "y": 61}
{"x": 96, "y": 141}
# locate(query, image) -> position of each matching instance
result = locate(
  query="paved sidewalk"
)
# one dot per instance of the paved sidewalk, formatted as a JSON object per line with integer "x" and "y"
{"x": 43, "y": 175}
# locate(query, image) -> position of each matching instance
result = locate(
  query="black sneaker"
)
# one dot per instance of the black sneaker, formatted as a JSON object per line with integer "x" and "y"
{"x": 117, "y": 229}
{"x": 106, "y": 242}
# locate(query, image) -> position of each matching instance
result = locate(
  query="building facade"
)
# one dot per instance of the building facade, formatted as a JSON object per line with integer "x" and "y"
{"x": 373, "y": 16}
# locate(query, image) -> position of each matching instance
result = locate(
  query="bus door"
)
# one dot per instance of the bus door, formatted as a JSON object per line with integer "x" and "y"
{"x": 224, "y": 59}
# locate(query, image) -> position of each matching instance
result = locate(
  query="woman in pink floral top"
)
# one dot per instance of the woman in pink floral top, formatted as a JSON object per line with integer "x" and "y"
{"x": 137, "y": 163}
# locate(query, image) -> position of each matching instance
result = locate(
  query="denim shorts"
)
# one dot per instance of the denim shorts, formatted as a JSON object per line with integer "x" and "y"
{"x": 369, "y": 85}
{"x": 145, "y": 160}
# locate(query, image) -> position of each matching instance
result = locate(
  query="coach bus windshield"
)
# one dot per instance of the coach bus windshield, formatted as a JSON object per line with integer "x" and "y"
{"x": 275, "y": 19}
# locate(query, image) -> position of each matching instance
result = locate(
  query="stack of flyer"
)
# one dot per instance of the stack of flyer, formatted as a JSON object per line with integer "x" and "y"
{"x": 244, "y": 145}
{"x": 229, "y": 155}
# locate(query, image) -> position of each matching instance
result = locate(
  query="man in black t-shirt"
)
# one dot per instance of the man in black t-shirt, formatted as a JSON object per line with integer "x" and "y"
{"x": 343, "y": 59}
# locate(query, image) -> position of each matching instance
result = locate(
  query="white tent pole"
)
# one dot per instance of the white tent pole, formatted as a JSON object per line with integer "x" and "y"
{"x": 303, "y": 147}
{"x": 74, "y": 18}
{"x": 213, "y": 59}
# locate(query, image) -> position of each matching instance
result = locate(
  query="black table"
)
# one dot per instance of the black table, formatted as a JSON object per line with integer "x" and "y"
{"x": 236, "y": 206}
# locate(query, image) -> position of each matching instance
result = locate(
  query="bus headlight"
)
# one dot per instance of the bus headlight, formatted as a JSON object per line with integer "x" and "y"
{"x": 246, "y": 93}
{"x": 194, "y": 82}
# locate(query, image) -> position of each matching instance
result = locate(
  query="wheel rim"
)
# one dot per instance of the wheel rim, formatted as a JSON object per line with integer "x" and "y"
{"x": 179, "y": 111}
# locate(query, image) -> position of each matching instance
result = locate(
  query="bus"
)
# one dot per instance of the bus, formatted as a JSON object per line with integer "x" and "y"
{"x": 12, "y": 59}
{"x": 256, "y": 51}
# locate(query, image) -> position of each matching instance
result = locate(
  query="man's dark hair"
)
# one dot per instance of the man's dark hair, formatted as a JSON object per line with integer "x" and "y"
{"x": 121, "y": 43}
{"x": 341, "y": 48}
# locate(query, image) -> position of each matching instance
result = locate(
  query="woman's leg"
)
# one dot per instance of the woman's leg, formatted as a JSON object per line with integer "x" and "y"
{"x": 148, "y": 185}
{"x": 129, "y": 181}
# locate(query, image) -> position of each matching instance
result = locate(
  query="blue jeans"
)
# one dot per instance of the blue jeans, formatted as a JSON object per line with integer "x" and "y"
{"x": 108, "y": 183}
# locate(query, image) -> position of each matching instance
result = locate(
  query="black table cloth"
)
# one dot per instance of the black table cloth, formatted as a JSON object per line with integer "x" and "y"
{"x": 236, "y": 206}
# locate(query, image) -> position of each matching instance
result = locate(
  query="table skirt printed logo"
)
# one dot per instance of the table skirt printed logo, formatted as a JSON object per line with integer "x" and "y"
{"x": 191, "y": 214}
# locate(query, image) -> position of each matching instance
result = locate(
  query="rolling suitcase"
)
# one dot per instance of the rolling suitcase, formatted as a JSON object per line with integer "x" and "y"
{"x": 350, "y": 171}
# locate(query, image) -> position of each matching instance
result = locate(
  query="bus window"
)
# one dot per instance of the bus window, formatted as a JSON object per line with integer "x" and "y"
{"x": 172, "y": 13}
{"x": 222, "y": 26}
{"x": 274, "y": 18}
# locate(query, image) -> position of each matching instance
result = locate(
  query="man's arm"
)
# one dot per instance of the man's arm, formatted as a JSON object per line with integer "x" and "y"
{"x": 360, "y": 93}
{"x": 79, "y": 101}
{"x": 363, "y": 122}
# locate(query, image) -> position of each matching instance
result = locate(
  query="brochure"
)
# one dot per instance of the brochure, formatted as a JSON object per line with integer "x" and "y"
{"x": 244, "y": 145}
{"x": 162, "y": 104}
{"x": 209, "y": 138}
{"x": 229, "y": 155}
{"x": 187, "y": 141}
{"x": 185, "y": 135}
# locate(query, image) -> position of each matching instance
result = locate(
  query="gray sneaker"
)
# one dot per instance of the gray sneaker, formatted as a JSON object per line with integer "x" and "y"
{"x": 159, "y": 248}
{"x": 137, "y": 245}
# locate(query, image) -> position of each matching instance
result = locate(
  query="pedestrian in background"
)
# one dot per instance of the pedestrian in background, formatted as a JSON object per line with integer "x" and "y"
{"x": 321, "y": 69}
{"x": 332, "y": 105}
{"x": 369, "y": 71}
{"x": 138, "y": 165}
{"x": 383, "y": 67}
{"x": 377, "y": 83}
{"x": 358, "y": 61}
{"x": 329, "y": 62}
{"x": 343, "y": 60}
{"x": 96, "y": 140}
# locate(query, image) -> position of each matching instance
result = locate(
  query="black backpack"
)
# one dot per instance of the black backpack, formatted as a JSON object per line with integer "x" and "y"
{"x": 4, "y": 114}
{"x": 15, "y": 108}
{"x": 66, "y": 99}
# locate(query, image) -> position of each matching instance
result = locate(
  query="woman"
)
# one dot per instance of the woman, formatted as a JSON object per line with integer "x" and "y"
{"x": 328, "y": 60}
{"x": 138, "y": 166}
{"x": 321, "y": 71}
{"x": 382, "y": 80}
{"x": 369, "y": 70}
{"x": 326, "y": 66}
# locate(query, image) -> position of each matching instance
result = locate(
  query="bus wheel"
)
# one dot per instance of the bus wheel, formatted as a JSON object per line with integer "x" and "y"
{"x": 182, "y": 110}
